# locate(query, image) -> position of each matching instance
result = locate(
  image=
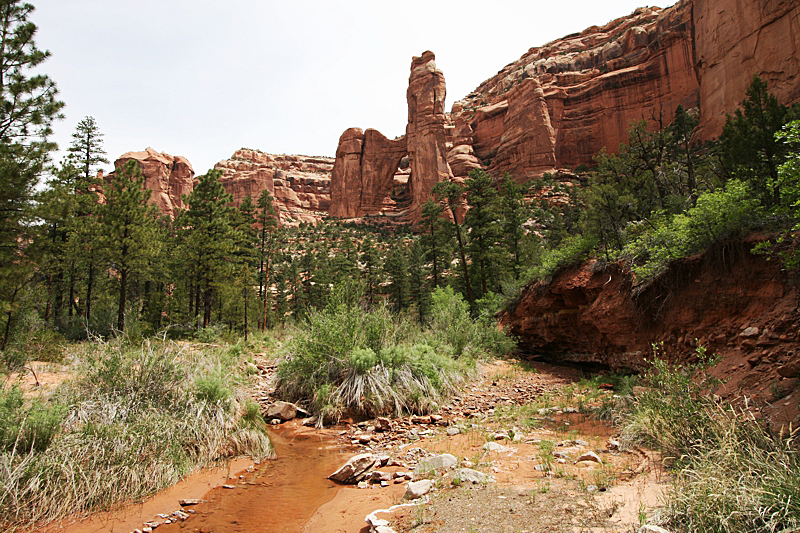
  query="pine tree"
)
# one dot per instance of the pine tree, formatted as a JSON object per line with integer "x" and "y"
{"x": 515, "y": 213}
{"x": 372, "y": 263}
{"x": 86, "y": 148}
{"x": 451, "y": 194}
{"x": 396, "y": 267}
{"x": 748, "y": 146}
{"x": 418, "y": 286}
{"x": 128, "y": 230}
{"x": 483, "y": 223}
{"x": 28, "y": 107}
{"x": 434, "y": 239}
{"x": 267, "y": 220}
{"x": 209, "y": 239}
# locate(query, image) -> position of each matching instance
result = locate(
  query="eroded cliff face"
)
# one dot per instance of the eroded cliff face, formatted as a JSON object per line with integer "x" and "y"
{"x": 593, "y": 85}
{"x": 300, "y": 185}
{"x": 168, "y": 177}
{"x": 366, "y": 170}
{"x": 735, "y": 39}
{"x": 737, "y": 305}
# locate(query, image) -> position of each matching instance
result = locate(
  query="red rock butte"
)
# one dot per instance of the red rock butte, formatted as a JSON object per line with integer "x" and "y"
{"x": 560, "y": 104}
{"x": 555, "y": 107}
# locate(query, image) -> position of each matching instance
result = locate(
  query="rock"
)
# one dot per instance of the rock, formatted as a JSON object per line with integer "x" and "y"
{"x": 494, "y": 447}
{"x": 789, "y": 370}
{"x": 751, "y": 331}
{"x": 355, "y": 469}
{"x": 420, "y": 420}
{"x": 310, "y": 421}
{"x": 383, "y": 424}
{"x": 467, "y": 475}
{"x": 437, "y": 462}
{"x": 282, "y": 411}
{"x": 168, "y": 177}
{"x": 613, "y": 444}
{"x": 300, "y": 185}
{"x": 417, "y": 489}
{"x": 452, "y": 431}
{"x": 377, "y": 476}
{"x": 364, "y": 173}
{"x": 185, "y": 502}
{"x": 650, "y": 528}
{"x": 589, "y": 456}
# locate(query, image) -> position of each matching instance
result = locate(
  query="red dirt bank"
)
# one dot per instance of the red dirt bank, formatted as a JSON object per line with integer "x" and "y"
{"x": 740, "y": 306}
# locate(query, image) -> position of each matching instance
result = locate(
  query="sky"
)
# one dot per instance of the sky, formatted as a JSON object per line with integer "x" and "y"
{"x": 202, "y": 78}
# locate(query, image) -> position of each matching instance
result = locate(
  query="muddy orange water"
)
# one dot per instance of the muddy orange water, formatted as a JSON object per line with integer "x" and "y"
{"x": 279, "y": 495}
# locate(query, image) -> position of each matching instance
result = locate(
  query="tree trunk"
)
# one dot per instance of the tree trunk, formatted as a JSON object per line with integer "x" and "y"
{"x": 89, "y": 284}
{"x": 123, "y": 285}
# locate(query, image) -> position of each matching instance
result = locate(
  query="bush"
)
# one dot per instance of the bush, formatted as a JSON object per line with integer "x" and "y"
{"x": 732, "y": 473}
{"x": 132, "y": 422}
{"x": 346, "y": 358}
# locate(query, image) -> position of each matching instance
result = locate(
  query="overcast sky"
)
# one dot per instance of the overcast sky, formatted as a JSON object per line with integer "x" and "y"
{"x": 202, "y": 78}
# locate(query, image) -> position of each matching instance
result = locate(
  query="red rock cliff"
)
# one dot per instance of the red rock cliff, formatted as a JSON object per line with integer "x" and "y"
{"x": 300, "y": 185}
{"x": 366, "y": 167}
{"x": 168, "y": 177}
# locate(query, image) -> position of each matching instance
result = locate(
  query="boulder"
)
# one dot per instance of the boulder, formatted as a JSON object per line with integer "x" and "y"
{"x": 355, "y": 469}
{"x": 468, "y": 475}
{"x": 417, "y": 489}
{"x": 283, "y": 411}
{"x": 437, "y": 462}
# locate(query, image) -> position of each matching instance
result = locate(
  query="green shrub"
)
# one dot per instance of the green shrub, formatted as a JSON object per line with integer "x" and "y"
{"x": 732, "y": 473}
{"x": 570, "y": 252}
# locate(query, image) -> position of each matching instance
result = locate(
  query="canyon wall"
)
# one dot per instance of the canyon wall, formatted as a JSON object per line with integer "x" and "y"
{"x": 168, "y": 177}
{"x": 300, "y": 185}
{"x": 366, "y": 167}
{"x": 735, "y": 39}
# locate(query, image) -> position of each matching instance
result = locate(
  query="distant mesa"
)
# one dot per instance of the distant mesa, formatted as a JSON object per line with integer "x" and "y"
{"x": 300, "y": 185}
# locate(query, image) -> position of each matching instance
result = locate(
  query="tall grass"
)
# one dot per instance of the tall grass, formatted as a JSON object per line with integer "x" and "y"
{"x": 131, "y": 422}
{"x": 346, "y": 358}
{"x": 732, "y": 473}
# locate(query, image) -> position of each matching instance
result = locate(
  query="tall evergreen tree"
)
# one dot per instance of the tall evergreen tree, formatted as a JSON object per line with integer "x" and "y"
{"x": 128, "y": 230}
{"x": 515, "y": 215}
{"x": 451, "y": 194}
{"x": 483, "y": 223}
{"x": 267, "y": 220}
{"x": 28, "y": 107}
{"x": 748, "y": 146}
{"x": 209, "y": 238}
{"x": 434, "y": 239}
{"x": 396, "y": 267}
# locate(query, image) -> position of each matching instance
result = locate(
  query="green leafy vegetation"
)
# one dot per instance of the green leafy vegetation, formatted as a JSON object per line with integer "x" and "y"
{"x": 347, "y": 358}
{"x": 731, "y": 472}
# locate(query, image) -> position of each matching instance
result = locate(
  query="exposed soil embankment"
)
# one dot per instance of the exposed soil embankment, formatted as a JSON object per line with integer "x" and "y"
{"x": 738, "y": 305}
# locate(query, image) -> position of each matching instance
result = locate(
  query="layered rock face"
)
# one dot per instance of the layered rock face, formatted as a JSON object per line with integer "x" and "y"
{"x": 425, "y": 132}
{"x": 592, "y": 84}
{"x": 364, "y": 171}
{"x": 300, "y": 185}
{"x": 168, "y": 177}
{"x": 366, "y": 167}
{"x": 733, "y": 41}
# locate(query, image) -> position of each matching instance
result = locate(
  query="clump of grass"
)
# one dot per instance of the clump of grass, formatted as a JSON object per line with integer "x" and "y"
{"x": 131, "y": 422}
{"x": 732, "y": 473}
{"x": 347, "y": 358}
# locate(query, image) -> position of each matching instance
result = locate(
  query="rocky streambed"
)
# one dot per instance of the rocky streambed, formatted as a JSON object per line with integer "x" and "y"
{"x": 512, "y": 453}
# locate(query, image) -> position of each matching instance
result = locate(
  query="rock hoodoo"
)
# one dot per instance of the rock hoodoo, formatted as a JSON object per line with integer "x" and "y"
{"x": 366, "y": 169}
{"x": 168, "y": 177}
{"x": 300, "y": 185}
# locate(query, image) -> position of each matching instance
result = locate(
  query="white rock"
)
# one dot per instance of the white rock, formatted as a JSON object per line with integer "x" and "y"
{"x": 650, "y": 528}
{"x": 437, "y": 462}
{"x": 417, "y": 489}
{"x": 467, "y": 475}
{"x": 589, "y": 456}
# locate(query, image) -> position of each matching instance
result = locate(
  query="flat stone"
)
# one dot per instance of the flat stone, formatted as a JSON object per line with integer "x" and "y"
{"x": 452, "y": 431}
{"x": 354, "y": 469}
{"x": 281, "y": 410}
{"x": 468, "y": 475}
{"x": 789, "y": 370}
{"x": 651, "y": 528}
{"x": 185, "y": 502}
{"x": 437, "y": 462}
{"x": 752, "y": 331}
{"x": 589, "y": 456}
{"x": 417, "y": 489}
